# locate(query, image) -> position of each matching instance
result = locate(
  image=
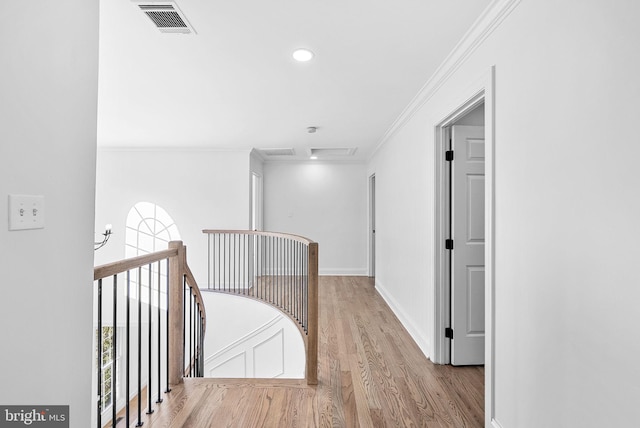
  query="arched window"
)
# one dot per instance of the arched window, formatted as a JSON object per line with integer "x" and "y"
{"x": 149, "y": 228}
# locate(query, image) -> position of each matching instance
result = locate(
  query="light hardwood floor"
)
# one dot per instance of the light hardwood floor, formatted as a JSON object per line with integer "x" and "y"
{"x": 371, "y": 374}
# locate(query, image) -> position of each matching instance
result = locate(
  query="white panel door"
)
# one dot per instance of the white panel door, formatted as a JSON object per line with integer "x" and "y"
{"x": 467, "y": 258}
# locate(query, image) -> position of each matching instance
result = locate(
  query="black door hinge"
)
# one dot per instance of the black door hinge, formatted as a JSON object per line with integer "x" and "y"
{"x": 448, "y": 155}
{"x": 448, "y": 244}
{"x": 448, "y": 333}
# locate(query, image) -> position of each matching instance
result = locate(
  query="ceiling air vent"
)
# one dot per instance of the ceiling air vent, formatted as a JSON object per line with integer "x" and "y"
{"x": 331, "y": 151}
{"x": 167, "y": 17}
{"x": 277, "y": 152}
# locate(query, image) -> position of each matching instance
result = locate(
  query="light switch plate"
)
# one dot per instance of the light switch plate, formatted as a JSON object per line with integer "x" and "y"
{"x": 26, "y": 212}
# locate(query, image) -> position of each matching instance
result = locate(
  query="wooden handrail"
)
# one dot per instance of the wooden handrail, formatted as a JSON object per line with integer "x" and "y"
{"x": 110, "y": 269}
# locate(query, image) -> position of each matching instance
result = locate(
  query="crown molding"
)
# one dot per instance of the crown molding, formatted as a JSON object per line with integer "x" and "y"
{"x": 486, "y": 24}
{"x": 170, "y": 149}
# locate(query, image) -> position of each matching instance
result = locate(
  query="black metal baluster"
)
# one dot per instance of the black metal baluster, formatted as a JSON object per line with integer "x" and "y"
{"x": 99, "y": 359}
{"x": 301, "y": 291}
{"x": 261, "y": 267}
{"x": 290, "y": 271}
{"x": 198, "y": 338}
{"x": 114, "y": 345}
{"x": 149, "y": 375}
{"x": 296, "y": 284}
{"x": 247, "y": 263}
{"x": 128, "y": 355}
{"x": 302, "y": 286}
{"x": 276, "y": 256}
{"x": 287, "y": 279}
{"x": 276, "y": 273}
{"x": 267, "y": 273}
{"x": 167, "y": 390}
{"x": 293, "y": 277}
{"x": 290, "y": 274}
{"x": 305, "y": 291}
{"x": 140, "y": 423}
{"x": 159, "y": 326}
{"x": 196, "y": 358}
{"x": 195, "y": 329}
{"x": 190, "y": 323}
{"x": 281, "y": 273}
{"x": 294, "y": 271}
{"x": 299, "y": 287}
{"x": 184, "y": 325}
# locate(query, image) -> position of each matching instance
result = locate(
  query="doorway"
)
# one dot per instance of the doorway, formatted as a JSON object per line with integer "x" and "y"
{"x": 461, "y": 200}
{"x": 256, "y": 202}
{"x": 480, "y": 92}
{"x": 465, "y": 180}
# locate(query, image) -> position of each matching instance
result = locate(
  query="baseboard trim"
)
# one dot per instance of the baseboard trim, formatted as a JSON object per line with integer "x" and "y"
{"x": 342, "y": 272}
{"x": 421, "y": 340}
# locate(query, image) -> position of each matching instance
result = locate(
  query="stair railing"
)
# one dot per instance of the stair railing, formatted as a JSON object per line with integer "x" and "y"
{"x": 277, "y": 268}
{"x": 154, "y": 301}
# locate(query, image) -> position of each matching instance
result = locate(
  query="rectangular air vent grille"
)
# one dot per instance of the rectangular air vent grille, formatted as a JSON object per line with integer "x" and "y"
{"x": 277, "y": 152}
{"x": 332, "y": 151}
{"x": 167, "y": 17}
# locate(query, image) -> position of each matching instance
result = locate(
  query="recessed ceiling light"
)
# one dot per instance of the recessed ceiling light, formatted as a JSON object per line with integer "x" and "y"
{"x": 302, "y": 55}
{"x": 313, "y": 157}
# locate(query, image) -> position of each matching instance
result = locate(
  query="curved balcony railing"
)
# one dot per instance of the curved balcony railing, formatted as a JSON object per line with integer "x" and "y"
{"x": 277, "y": 268}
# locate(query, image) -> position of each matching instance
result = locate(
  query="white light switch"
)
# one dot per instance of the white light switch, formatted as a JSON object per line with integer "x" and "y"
{"x": 26, "y": 212}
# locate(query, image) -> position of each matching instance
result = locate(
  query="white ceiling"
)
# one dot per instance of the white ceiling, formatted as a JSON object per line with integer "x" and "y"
{"x": 234, "y": 85}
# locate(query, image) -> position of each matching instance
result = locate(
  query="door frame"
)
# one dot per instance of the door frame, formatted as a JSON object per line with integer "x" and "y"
{"x": 256, "y": 201}
{"x": 481, "y": 91}
{"x": 372, "y": 225}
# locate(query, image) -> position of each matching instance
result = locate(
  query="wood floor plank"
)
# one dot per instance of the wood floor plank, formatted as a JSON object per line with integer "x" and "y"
{"x": 370, "y": 374}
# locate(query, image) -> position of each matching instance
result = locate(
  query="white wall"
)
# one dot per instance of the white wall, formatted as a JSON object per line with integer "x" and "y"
{"x": 199, "y": 189}
{"x": 566, "y": 211}
{"x": 48, "y": 111}
{"x": 325, "y": 202}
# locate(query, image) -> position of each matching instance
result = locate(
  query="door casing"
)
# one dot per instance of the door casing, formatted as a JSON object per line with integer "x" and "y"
{"x": 483, "y": 91}
{"x": 372, "y": 226}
